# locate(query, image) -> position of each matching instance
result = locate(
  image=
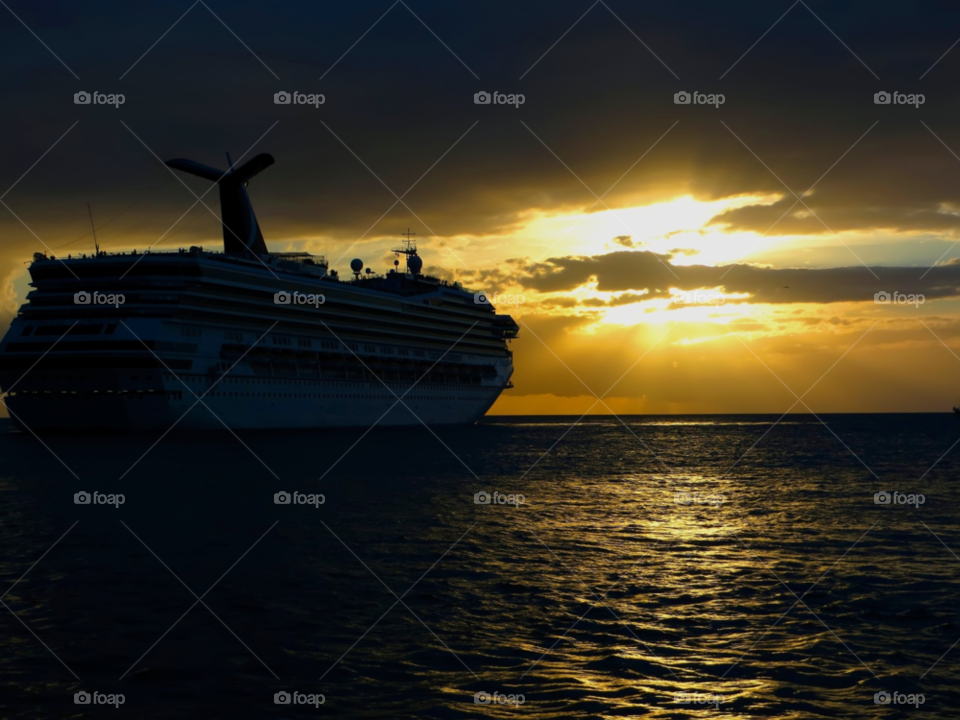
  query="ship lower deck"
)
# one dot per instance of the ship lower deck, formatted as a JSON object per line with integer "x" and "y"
{"x": 197, "y": 402}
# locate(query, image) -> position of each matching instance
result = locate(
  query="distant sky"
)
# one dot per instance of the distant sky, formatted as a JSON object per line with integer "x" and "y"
{"x": 667, "y": 257}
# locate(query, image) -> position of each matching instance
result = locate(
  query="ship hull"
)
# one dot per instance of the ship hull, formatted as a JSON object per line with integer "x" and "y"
{"x": 250, "y": 404}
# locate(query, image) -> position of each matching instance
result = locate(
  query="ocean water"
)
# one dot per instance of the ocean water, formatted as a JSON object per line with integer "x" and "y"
{"x": 675, "y": 567}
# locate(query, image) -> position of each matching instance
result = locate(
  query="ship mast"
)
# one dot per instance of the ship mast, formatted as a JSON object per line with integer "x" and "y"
{"x": 96, "y": 245}
{"x": 409, "y": 248}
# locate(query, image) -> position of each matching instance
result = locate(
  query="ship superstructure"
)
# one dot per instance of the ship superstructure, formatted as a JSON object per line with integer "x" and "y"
{"x": 121, "y": 342}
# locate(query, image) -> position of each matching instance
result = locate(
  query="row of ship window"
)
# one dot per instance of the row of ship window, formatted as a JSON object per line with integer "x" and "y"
{"x": 232, "y": 336}
{"x": 285, "y": 341}
{"x": 178, "y": 394}
{"x": 343, "y": 397}
{"x": 265, "y": 381}
{"x": 78, "y": 329}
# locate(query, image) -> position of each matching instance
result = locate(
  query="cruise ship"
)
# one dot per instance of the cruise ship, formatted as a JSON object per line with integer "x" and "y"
{"x": 246, "y": 338}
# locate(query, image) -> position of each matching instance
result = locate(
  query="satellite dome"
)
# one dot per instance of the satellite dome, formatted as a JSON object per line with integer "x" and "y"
{"x": 415, "y": 263}
{"x": 356, "y": 265}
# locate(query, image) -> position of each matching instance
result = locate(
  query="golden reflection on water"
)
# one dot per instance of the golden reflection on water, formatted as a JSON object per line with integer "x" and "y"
{"x": 671, "y": 598}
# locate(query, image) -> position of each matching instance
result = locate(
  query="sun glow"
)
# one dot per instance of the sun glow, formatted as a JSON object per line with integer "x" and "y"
{"x": 678, "y": 227}
{"x": 663, "y": 311}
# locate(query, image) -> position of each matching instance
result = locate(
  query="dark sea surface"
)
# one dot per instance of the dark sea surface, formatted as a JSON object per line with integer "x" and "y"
{"x": 732, "y": 561}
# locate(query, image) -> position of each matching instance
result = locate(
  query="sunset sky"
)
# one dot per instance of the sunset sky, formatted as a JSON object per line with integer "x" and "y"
{"x": 670, "y": 258}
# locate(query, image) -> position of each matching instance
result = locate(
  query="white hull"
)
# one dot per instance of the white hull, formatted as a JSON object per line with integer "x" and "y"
{"x": 253, "y": 404}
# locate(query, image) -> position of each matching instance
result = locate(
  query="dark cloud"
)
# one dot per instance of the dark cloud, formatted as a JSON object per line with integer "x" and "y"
{"x": 653, "y": 275}
{"x": 400, "y": 100}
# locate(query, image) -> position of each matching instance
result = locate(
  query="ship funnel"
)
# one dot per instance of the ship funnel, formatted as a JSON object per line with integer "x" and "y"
{"x": 241, "y": 231}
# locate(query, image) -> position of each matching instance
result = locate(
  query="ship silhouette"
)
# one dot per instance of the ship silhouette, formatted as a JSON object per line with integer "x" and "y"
{"x": 247, "y": 338}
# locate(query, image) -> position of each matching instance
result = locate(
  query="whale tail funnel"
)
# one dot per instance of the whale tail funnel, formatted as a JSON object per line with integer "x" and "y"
{"x": 241, "y": 231}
